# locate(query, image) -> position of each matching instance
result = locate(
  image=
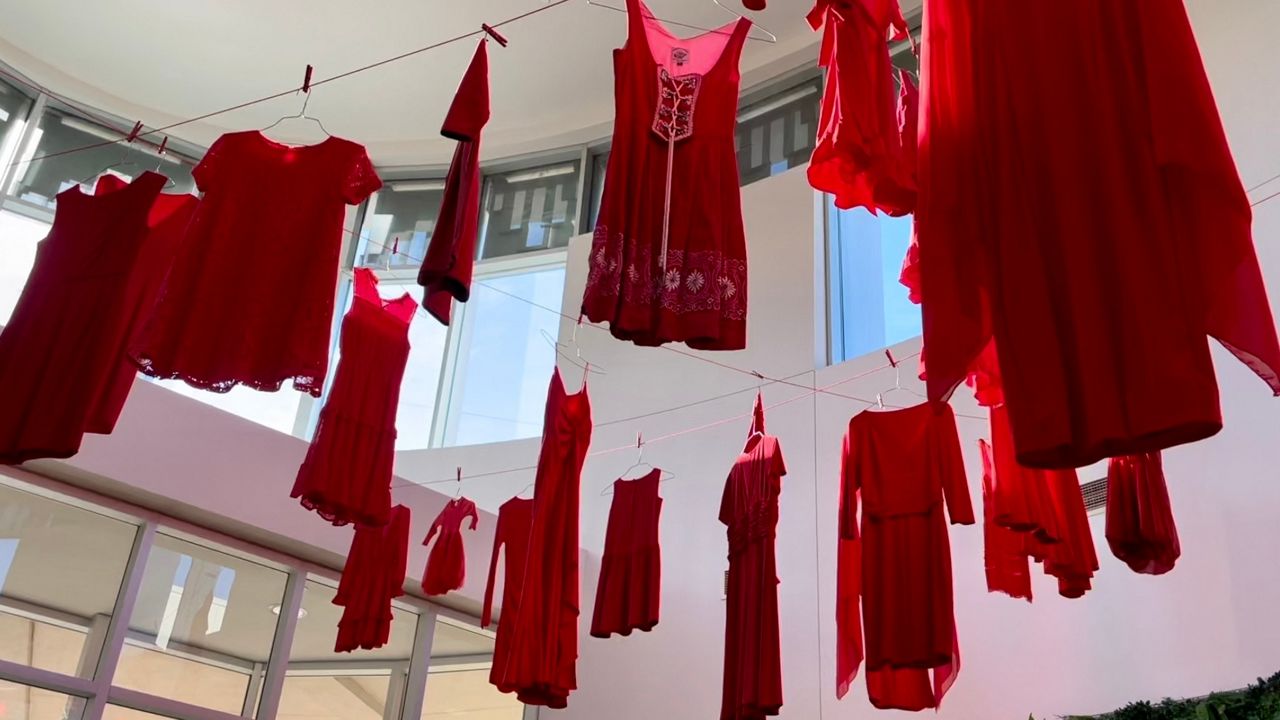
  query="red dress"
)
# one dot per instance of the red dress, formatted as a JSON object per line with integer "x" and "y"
{"x": 1078, "y": 202}
{"x": 346, "y": 475}
{"x": 902, "y": 465}
{"x": 627, "y": 595}
{"x": 749, "y": 510}
{"x": 373, "y": 574}
{"x": 250, "y": 297}
{"x": 1072, "y": 559}
{"x": 540, "y": 667}
{"x": 446, "y": 270}
{"x": 1140, "y": 527}
{"x": 512, "y": 531}
{"x": 447, "y": 563}
{"x": 63, "y": 367}
{"x": 1004, "y": 550}
{"x": 859, "y": 157}
{"x": 668, "y": 260}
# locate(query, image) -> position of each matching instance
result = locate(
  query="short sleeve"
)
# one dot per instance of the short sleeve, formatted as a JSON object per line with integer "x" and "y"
{"x": 207, "y": 172}
{"x": 779, "y": 465}
{"x": 360, "y": 180}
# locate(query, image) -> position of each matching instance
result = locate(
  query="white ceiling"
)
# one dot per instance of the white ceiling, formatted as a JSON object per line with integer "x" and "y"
{"x": 163, "y": 60}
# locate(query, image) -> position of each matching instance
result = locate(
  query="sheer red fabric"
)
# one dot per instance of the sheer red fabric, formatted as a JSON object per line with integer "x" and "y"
{"x": 446, "y": 271}
{"x": 1004, "y": 550}
{"x": 1072, "y": 559}
{"x": 62, "y": 360}
{"x": 541, "y": 665}
{"x": 373, "y": 574}
{"x": 861, "y": 152}
{"x": 515, "y": 517}
{"x": 668, "y": 259}
{"x": 1098, "y": 246}
{"x": 447, "y": 563}
{"x": 900, "y": 466}
{"x": 749, "y": 511}
{"x": 1140, "y": 527}
{"x": 629, "y": 589}
{"x": 346, "y": 474}
{"x": 249, "y": 299}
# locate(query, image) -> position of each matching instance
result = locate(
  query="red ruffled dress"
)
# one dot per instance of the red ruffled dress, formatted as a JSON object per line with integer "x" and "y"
{"x": 629, "y": 589}
{"x": 63, "y": 366}
{"x": 447, "y": 563}
{"x": 1140, "y": 527}
{"x": 446, "y": 271}
{"x": 540, "y": 667}
{"x": 373, "y": 574}
{"x": 861, "y": 153}
{"x": 346, "y": 475}
{"x": 668, "y": 259}
{"x": 902, "y": 465}
{"x": 250, "y": 297}
{"x": 515, "y": 517}
{"x": 749, "y": 511}
{"x": 1078, "y": 202}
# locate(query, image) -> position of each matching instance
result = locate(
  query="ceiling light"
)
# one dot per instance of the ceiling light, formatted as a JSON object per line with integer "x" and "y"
{"x": 410, "y": 185}
{"x": 302, "y": 612}
{"x": 540, "y": 173}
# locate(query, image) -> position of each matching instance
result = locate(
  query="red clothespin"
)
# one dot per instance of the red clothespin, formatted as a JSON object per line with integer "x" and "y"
{"x": 497, "y": 36}
{"x": 639, "y": 440}
{"x": 892, "y": 363}
{"x": 458, "y": 492}
{"x": 395, "y": 245}
{"x": 133, "y": 134}
{"x": 306, "y": 80}
{"x": 163, "y": 144}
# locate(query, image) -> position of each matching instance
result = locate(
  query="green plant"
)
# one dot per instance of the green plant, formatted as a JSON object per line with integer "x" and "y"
{"x": 1259, "y": 701}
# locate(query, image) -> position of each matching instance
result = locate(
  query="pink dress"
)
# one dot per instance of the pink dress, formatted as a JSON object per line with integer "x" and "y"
{"x": 447, "y": 563}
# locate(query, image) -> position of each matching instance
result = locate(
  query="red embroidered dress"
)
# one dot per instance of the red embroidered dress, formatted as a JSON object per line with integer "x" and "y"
{"x": 447, "y": 563}
{"x": 373, "y": 574}
{"x": 629, "y": 589}
{"x": 668, "y": 260}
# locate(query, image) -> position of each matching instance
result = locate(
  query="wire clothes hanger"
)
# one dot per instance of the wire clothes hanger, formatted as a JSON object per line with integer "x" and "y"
{"x": 897, "y": 383}
{"x": 663, "y": 476}
{"x": 160, "y": 151}
{"x": 769, "y": 37}
{"x": 124, "y": 161}
{"x": 457, "y": 494}
{"x": 302, "y": 114}
{"x": 576, "y": 358}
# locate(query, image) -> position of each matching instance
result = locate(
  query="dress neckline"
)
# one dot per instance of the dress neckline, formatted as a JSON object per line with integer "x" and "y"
{"x": 285, "y": 147}
{"x": 142, "y": 180}
{"x": 649, "y": 20}
{"x": 368, "y": 280}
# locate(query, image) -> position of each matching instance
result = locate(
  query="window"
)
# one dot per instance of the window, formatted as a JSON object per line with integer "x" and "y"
{"x": 458, "y": 678}
{"x": 18, "y": 238}
{"x": 777, "y": 133}
{"x": 599, "y": 166}
{"x": 529, "y": 210}
{"x": 23, "y": 702}
{"x": 14, "y": 106}
{"x": 402, "y": 216}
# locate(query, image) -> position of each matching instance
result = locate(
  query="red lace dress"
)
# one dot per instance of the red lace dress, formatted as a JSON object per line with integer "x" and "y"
{"x": 250, "y": 297}
{"x": 346, "y": 475}
{"x": 860, "y": 156}
{"x": 373, "y": 574}
{"x": 515, "y": 517}
{"x": 900, "y": 466}
{"x": 1140, "y": 527}
{"x": 541, "y": 663}
{"x": 1099, "y": 248}
{"x": 446, "y": 271}
{"x": 668, "y": 260}
{"x": 752, "y": 645}
{"x": 629, "y": 589}
{"x": 447, "y": 563}
{"x": 61, "y": 353}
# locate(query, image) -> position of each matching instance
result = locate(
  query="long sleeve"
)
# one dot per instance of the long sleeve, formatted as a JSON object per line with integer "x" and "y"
{"x": 955, "y": 487}
{"x": 849, "y": 652}
{"x": 850, "y": 484}
{"x": 487, "y": 614}
{"x": 435, "y": 527}
{"x": 471, "y": 513}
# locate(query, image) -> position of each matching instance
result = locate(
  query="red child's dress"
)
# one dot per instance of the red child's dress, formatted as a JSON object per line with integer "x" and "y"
{"x": 447, "y": 563}
{"x": 1140, "y": 527}
{"x": 752, "y": 645}
{"x": 540, "y": 667}
{"x": 446, "y": 270}
{"x": 346, "y": 475}
{"x": 668, "y": 259}
{"x": 63, "y": 366}
{"x": 628, "y": 593}
{"x": 512, "y": 532}
{"x": 249, "y": 299}
{"x": 901, "y": 466}
{"x": 373, "y": 574}
{"x": 859, "y": 157}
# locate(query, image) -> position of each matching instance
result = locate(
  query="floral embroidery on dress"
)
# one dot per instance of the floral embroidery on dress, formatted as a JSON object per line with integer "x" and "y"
{"x": 677, "y": 95}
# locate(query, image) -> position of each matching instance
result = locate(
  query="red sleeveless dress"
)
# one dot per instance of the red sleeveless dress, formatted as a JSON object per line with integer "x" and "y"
{"x": 629, "y": 589}
{"x": 511, "y": 532}
{"x": 346, "y": 475}
{"x": 447, "y": 563}
{"x": 668, "y": 259}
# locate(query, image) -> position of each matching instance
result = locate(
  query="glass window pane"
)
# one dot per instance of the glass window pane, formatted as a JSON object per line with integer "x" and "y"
{"x": 458, "y": 678}
{"x": 14, "y": 105}
{"x": 20, "y": 702}
{"x": 504, "y": 361}
{"x": 203, "y": 625}
{"x": 778, "y": 133}
{"x": 599, "y": 166}
{"x": 117, "y": 712}
{"x": 530, "y": 210}
{"x": 405, "y": 211}
{"x": 18, "y": 238}
{"x": 41, "y": 180}
{"x": 60, "y": 572}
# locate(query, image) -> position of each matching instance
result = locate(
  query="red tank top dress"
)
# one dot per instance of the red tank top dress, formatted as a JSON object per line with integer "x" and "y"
{"x": 752, "y": 642}
{"x": 346, "y": 474}
{"x": 1100, "y": 248}
{"x": 629, "y": 589}
{"x": 373, "y": 574}
{"x": 668, "y": 259}
{"x": 541, "y": 664}
{"x": 250, "y": 297}
{"x": 61, "y": 352}
{"x": 447, "y": 563}
{"x": 1140, "y": 528}
{"x": 511, "y": 532}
